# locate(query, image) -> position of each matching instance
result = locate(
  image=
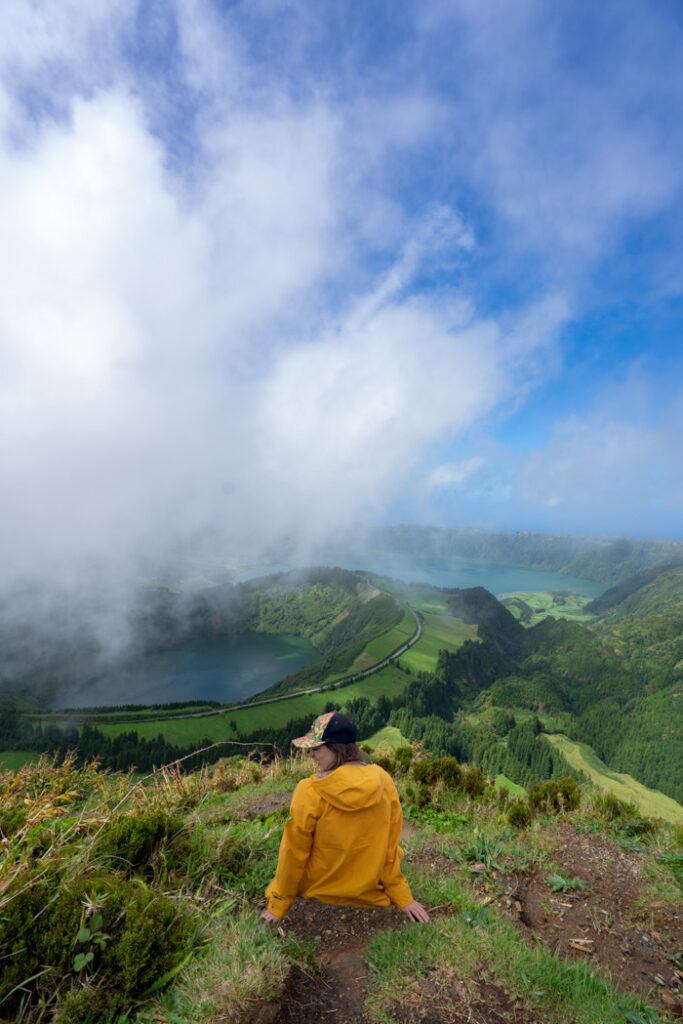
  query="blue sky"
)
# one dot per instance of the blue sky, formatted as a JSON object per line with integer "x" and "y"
{"x": 270, "y": 268}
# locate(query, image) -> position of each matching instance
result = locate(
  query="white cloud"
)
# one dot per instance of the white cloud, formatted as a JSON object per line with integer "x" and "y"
{"x": 614, "y": 468}
{"x": 452, "y": 474}
{"x": 173, "y": 366}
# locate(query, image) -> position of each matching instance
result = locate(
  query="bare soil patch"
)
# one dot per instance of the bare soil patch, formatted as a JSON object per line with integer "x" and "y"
{"x": 442, "y": 997}
{"x": 259, "y": 806}
{"x": 601, "y": 923}
{"x": 336, "y": 992}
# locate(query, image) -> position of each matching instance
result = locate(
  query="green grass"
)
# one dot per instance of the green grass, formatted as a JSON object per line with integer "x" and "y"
{"x": 502, "y": 782}
{"x": 530, "y": 607}
{"x": 455, "y": 948}
{"x": 383, "y": 645}
{"x": 185, "y": 731}
{"x": 389, "y": 736}
{"x": 440, "y": 632}
{"x": 650, "y": 802}
{"x": 12, "y": 760}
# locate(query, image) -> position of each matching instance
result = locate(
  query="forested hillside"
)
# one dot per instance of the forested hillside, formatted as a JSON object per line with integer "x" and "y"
{"x": 609, "y": 559}
{"x": 615, "y": 684}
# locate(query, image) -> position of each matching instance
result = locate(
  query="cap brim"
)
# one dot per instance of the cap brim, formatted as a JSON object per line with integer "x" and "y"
{"x": 306, "y": 743}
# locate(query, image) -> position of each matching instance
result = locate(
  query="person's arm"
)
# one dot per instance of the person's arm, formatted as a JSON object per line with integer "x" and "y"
{"x": 394, "y": 881}
{"x": 295, "y": 850}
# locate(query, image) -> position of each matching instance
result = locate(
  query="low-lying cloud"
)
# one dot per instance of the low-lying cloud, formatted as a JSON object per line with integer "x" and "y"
{"x": 224, "y": 318}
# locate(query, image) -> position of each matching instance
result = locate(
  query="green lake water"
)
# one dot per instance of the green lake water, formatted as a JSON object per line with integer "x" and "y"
{"x": 226, "y": 669}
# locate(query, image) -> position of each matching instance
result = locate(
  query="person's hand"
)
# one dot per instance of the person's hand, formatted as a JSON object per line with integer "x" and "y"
{"x": 416, "y": 912}
{"x": 270, "y": 918}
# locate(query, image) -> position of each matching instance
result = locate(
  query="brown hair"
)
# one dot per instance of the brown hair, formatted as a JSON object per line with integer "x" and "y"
{"x": 344, "y": 753}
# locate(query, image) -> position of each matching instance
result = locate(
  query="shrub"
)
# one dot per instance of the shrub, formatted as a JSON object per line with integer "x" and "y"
{"x": 129, "y": 840}
{"x": 386, "y": 762}
{"x": 636, "y": 826}
{"x": 445, "y": 769}
{"x": 519, "y": 813}
{"x": 611, "y": 808}
{"x": 232, "y": 859}
{"x": 472, "y": 780}
{"x": 140, "y": 936}
{"x": 403, "y": 757}
{"x": 555, "y": 795}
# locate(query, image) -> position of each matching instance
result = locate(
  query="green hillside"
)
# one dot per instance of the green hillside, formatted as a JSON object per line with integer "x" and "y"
{"x": 139, "y": 903}
{"x": 614, "y": 684}
{"x": 530, "y": 608}
{"x": 655, "y": 590}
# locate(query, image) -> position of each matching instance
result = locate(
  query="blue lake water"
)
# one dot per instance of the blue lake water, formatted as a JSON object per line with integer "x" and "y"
{"x": 455, "y": 572}
{"x": 226, "y": 669}
{"x": 232, "y": 668}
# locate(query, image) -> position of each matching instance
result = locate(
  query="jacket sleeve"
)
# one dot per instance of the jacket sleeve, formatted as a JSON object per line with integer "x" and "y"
{"x": 393, "y": 880}
{"x": 295, "y": 849}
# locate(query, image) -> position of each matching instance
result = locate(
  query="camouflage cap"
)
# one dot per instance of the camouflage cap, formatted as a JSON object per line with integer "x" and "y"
{"x": 328, "y": 728}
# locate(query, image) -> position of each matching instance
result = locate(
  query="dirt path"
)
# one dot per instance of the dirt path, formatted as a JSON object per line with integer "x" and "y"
{"x": 337, "y": 993}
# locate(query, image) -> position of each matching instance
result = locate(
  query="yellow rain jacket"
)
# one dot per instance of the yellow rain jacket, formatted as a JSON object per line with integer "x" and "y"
{"x": 340, "y": 843}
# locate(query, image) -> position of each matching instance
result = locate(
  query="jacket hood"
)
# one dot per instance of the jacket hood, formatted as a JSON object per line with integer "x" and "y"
{"x": 351, "y": 788}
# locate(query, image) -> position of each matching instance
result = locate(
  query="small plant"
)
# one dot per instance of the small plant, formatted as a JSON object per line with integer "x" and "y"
{"x": 128, "y": 841}
{"x": 558, "y": 883}
{"x": 675, "y": 862}
{"x": 479, "y": 918}
{"x": 403, "y": 756}
{"x": 485, "y": 851}
{"x": 644, "y": 1016}
{"x": 93, "y": 935}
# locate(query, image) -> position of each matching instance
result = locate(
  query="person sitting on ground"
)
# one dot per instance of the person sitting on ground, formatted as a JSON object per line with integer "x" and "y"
{"x": 340, "y": 843}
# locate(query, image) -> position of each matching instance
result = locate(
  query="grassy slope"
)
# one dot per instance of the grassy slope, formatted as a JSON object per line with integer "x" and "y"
{"x": 649, "y": 801}
{"x": 12, "y": 760}
{"x": 503, "y": 782}
{"x": 383, "y": 645}
{"x": 531, "y": 607}
{"x": 440, "y": 632}
{"x": 389, "y": 736}
{"x": 236, "y": 970}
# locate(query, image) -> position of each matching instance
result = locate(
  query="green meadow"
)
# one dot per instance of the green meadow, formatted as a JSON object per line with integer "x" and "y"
{"x": 389, "y": 736}
{"x": 13, "y": 760}
{"x": 530, "y": 608}
{"x": 650, "y": 802}
{"x": 382, "y": 646}
{"x": 389, "y": 681}
{"x": 440, "y": 632}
